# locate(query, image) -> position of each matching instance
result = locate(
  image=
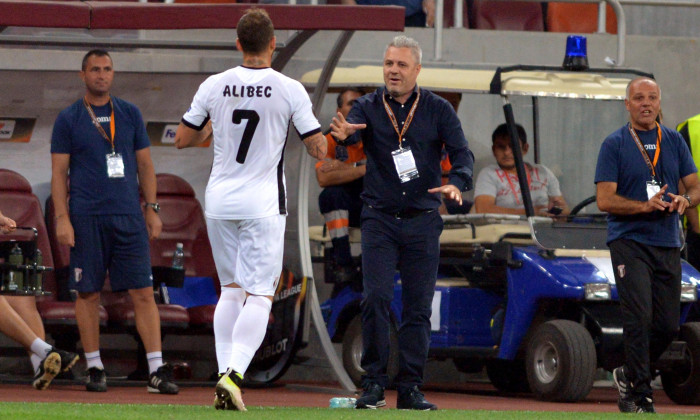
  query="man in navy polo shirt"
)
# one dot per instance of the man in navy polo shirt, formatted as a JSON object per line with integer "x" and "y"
{"x": 102, "y": 140}
{"x": 403, "y": 129}
{"x": 637, "y": 175}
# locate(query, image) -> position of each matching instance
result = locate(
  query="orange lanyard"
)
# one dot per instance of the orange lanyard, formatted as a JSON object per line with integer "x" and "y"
{"x": 97, "y": 123}
{"x": 512, "y": 188}
{"x": 640, "y": 146}
{"x": 409, "y": 119}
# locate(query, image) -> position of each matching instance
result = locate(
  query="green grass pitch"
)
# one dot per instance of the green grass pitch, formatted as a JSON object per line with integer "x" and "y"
{"x": 74, "y": 411}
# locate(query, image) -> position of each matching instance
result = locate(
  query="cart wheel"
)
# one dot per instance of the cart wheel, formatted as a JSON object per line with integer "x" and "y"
{"x": 352, "y": 352}
{"x": 682, "y": 385}
{"x": 507, "y": 375}
{"x": 561, "y": 361}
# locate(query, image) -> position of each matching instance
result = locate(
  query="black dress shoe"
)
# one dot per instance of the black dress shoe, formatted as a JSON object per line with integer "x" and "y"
{"x": 413, "y": 399}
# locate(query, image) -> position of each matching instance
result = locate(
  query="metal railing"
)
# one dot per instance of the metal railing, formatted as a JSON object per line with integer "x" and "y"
{"x": 615, "y": 4}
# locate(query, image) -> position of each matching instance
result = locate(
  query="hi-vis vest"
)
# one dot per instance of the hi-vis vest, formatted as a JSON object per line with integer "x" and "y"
{"x": 690, "y": 130}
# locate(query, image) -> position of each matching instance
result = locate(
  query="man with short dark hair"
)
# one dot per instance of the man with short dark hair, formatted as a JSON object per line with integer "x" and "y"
{"x": 102, "y": 140}
{"x": 497, "y": 187}
{"x": 639, "y": 169}
{"x": 247, "y": 109}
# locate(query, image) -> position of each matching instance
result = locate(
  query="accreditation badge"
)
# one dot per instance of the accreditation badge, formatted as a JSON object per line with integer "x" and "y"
{"x": 653, "y": 188}
{"x": 115, "y": 165}
{"x": 405, "y": 164}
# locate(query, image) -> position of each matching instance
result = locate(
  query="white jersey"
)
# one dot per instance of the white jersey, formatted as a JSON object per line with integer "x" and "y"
{"x": 250, "y": 110}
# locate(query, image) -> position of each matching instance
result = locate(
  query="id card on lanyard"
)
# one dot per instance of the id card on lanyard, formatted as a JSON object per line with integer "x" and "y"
{"x": 654, "y": 185}
{"x": 115, "y": 162}
{"x": 403, "y": 157}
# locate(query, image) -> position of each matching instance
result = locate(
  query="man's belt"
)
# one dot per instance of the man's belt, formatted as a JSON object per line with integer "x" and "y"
{"x": 406, "y": 213}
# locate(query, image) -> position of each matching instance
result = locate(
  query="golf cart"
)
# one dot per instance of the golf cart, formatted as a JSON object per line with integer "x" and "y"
{"x": 531, "y": 299}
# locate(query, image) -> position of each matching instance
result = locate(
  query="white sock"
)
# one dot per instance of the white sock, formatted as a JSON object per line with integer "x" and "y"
{"x": 155, "y": 360}
{"x": 41, "y": 348}
{"x": 249, "y": 332}
{"x": 93, "y": 359}
{"x": 225, "y": 316}
{"x": 36, "y": 361}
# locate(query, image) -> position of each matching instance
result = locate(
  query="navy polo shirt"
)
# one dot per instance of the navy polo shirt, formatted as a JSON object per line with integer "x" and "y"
{"x": 434, "y": 124}
{"x": 621, "y": 161}
{"x": 92, "y": 192}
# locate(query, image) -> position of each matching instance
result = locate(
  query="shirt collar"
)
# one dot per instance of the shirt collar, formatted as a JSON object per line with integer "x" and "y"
{"x": 410, "y": 100}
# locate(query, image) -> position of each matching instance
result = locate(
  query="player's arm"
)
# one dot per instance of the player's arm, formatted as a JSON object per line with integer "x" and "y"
{"x": 610, "y": 201}
{"x": 60, "y": 163}
{"x": 691, "y": 186}
{"x": 334, "y": 172}
{"x": 147, "y": 181}
{"x": 316, "y": 145}
{"x": 189, "y": 137}
{"x": 487, "y": 204}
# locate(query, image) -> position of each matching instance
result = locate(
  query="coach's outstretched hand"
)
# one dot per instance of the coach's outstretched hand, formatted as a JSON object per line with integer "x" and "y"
{"x": 341, "y": 129}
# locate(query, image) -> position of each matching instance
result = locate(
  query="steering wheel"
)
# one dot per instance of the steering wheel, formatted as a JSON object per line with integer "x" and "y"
{"x": 582, "y": 204}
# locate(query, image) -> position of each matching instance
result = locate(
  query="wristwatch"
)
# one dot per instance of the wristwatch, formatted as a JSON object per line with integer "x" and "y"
{"x": 687, "y": 197}
{"x": 154, "y": 206}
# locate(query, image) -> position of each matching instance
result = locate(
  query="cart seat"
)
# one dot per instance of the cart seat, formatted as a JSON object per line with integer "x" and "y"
{"x": 486, "y": 234}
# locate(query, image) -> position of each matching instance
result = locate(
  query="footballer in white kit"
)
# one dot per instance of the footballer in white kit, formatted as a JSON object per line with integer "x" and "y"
{"x": 246, "y": 204}
{"x": 247, "y": 111}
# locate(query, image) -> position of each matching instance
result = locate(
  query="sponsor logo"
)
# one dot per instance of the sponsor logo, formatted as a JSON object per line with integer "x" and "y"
{"x": 272, "y": 350}
{"x": 286, "y": 293}
{"x": 7, "y": 127}
{"x": 168, "y": 136}
{"x": 78, "y": 274}
{"x": 621, "y": 271}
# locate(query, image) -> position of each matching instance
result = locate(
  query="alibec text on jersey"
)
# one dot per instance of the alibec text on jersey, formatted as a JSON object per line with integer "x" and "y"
{"x": 247, "y": 91}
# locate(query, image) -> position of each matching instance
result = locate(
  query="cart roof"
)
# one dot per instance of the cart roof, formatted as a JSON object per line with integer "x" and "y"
{"x": 526, "y": 83}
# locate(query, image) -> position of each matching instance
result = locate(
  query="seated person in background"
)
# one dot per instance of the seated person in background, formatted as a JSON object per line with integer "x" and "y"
{"x": 340, "y": 175}
{"x": 47, "y": 360}
{"x": 498, "y": 191}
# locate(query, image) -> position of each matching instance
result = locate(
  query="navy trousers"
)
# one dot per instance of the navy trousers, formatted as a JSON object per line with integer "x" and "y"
{"x": 648, "y": 280}
{"x": 411, "y": 245}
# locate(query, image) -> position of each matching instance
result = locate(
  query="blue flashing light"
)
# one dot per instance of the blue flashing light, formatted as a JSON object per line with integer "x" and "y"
{"x": 576, "y": 57}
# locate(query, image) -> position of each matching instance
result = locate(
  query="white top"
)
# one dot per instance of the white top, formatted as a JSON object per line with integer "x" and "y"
{"x": 496, "y": 182}
{"x": 249, "y": 107}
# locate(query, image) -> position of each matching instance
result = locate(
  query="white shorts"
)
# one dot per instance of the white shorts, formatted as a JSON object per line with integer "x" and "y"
{"x": 248, "y": 252}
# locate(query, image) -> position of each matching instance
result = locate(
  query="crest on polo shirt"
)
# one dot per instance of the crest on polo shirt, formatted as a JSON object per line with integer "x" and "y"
{"x": 78, "y": 274}
{"x": 621, "y": 270}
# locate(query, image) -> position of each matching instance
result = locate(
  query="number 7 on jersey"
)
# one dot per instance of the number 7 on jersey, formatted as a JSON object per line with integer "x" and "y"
{"x": 253, "y": 119}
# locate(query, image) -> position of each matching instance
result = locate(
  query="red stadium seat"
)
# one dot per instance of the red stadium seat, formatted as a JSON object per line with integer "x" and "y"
{"x": 18, "y": 202}
{"x": 578, "y": 18}
{"x": 509, "y": 16}
{"x": 183, "y": 221}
